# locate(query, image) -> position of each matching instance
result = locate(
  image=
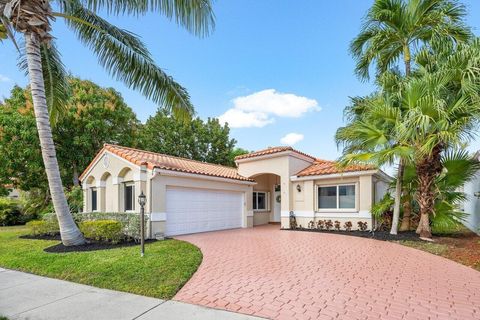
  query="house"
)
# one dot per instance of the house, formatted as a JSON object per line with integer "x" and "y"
{"x": 472, "y": 204}
{"x": 186, "y": 196}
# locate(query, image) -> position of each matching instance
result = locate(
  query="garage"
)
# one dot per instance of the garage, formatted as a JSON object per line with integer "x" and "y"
{"x": 192, "y": 210}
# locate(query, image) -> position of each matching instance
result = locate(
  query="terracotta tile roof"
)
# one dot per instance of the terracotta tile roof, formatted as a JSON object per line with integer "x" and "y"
{"x": 166, "y": 162}
{"x": 269, "y": 151}
{"x": 322, "y": 167}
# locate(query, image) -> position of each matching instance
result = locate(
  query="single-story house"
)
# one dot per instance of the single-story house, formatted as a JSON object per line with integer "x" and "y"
{"x": 186, "y": 196}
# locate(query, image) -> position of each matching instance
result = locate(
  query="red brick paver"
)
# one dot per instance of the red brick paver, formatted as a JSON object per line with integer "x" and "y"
{"x": 303, "y": 275}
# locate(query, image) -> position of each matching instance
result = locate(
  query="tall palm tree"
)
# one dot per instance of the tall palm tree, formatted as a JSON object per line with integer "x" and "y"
{"x": 120, "y": 52}
{"x": 393, "y": 30}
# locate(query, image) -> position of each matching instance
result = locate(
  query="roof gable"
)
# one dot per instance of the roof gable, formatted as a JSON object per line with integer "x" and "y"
{"x": 271, "y": 151}
{"x": 166, "y": 162}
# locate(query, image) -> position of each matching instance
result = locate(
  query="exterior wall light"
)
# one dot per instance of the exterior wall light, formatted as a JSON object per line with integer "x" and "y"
{"x": 477, "y": 194}
{"x": 299, "y": 188}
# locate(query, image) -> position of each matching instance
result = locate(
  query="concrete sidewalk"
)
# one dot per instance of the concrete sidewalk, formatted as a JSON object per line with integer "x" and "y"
{"x": 27, "y": 296}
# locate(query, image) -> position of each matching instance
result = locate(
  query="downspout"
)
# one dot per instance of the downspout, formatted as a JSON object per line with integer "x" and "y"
{"x": 150, "y": 203}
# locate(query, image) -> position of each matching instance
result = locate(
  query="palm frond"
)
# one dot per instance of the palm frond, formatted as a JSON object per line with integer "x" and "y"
{"x": 196, "y": 16}
{"x": 127, "y": 59}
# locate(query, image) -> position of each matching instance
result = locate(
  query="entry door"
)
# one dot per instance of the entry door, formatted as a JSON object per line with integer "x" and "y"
{"x": 277, "y": 207}
{"x": 191, "y": 210}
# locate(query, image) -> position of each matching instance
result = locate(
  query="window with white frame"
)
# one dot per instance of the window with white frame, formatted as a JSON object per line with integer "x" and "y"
{"x": 129, "y": 197}
{"x": 260, "y": 201}
{"x": 337, "y": 197}
{"x": 94, "y": 199}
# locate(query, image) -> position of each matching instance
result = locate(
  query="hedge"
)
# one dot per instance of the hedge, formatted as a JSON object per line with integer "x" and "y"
{"x": 106, "y": 230}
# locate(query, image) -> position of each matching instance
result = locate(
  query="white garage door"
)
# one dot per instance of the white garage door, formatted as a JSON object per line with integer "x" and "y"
{"x": 191, "y": 210}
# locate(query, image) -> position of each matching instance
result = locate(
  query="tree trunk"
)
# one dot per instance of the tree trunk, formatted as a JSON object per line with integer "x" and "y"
{"x": 427, "y": 170}
{"x": 69, "y": 231}
{"x": 398, "y": 197}
{"x": 407, "y": 214}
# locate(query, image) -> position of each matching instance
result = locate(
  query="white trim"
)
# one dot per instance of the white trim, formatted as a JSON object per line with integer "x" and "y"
{"x": 267, "y": 201}
{"x": 249, "y": 213}
{"x": 335, "y": 175}
{"x": 101, "y": 184}
{"x": 337, "y": 209}
{"x": 276, "y": 155}
{"x": 171, "y": 173}
{"x": 158, "y": 216}
{"x": 117, "y": 180}
{"x": 299, "y": 214}
{"x": 362, "y": 214}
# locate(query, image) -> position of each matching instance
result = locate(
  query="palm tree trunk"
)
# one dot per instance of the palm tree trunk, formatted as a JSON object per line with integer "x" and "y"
{"x": 427, "y": 170}
{"x": 401, "y": 165}
{"x": 69, "y": 231}
{"x": 398, "y": 197}
{"x": 407, "y": 214}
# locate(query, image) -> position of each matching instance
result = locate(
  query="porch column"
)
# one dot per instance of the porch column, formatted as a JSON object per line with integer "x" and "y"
{"x": 85, "y": 197}
{"x": 101, "y": 196}
{"x": 117, "y": 194}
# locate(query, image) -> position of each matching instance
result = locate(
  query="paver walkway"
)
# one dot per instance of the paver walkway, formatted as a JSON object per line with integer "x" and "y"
{"x": 27, "y": 296}
{"x": 304, "y": 275}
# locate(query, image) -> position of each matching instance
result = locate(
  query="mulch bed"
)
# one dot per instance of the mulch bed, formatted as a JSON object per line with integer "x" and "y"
{"x": 91, "y": 245}
{"x": 377, "y": 235}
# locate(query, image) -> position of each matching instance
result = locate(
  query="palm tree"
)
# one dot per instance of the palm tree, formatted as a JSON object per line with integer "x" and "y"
{"x": 120, "y": 52}
{"x": 393, "y": 30}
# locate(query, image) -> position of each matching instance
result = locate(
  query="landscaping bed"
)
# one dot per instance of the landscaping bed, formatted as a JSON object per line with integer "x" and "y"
{"x": 165, "y": 268}
{"x": 90, "y": 245}
{"x": 377, "y": 235}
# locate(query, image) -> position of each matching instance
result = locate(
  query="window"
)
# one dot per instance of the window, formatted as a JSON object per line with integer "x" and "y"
{"x": 129, "y": 197}
{"x": 336, "y": 197}
{"x": 260, "y": 201}
{"x": 94, "y": 199}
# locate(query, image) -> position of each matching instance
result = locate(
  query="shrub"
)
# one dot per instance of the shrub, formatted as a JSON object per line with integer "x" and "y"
{"x": 320, "y": 224}
{"x": 348, "y": 226}
{"x": 107, "y": 230}
{"x": 10, "y": 213}
{"x": 328, "y": 224}
{"x": 130, "y": 221}
{"x": 337, "y": 225}
{"x": 311, "y": 224}
{"x": 362, "y": 225}
{"x": 43, "y": 227}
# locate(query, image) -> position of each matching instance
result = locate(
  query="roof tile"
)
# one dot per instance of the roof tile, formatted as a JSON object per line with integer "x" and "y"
{"x": 167, "y": 162}
{"x": 271, "y": 150}
{"x": 323, "y": 167}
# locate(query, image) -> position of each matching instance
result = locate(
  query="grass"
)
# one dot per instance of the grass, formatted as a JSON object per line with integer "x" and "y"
{"x": 435, "y": 248}
{"x": 166, "y": 267}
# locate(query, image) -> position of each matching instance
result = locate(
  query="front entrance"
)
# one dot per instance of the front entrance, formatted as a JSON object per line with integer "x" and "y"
{"x": 277, "y": 205}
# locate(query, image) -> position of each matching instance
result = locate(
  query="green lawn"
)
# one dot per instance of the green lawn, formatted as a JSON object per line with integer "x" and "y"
{"x": 166, "y": 267}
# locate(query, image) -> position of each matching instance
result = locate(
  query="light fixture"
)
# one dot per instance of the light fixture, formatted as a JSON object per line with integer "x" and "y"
{"x": 477, "y": 194}
{"x": 142, "y": 200}
{"x": 299, "y": 188}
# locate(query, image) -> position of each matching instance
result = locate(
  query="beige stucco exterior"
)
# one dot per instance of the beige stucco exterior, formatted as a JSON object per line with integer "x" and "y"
{"x": 109, "y": 175}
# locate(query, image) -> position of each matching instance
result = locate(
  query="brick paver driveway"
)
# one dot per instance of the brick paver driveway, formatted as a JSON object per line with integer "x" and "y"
{"x": 301, "y": 275}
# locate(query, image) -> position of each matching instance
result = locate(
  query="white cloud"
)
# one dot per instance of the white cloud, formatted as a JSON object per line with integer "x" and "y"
{"x": 258, "y": 109}
{"x": 240, "y": 119}
{"x": 4, "y": 78}
{"x": 291, "y": 138}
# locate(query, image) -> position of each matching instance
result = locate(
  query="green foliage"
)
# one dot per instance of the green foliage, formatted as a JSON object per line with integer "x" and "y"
{"x": 200, "y": 140}
{"x": 10, "y": 212}
{"x": 94, "y": 116}
{"x": 36, "y": 202}
{"x": 117, "y": 269}
{"x": 43, "y": 227}
{"x": 130, "y": 221}
{"x": 107, "y": 230}
{"x": 380, "y": 208}
{"x": 75, "y": 199}
{"x": 392, "y": 28}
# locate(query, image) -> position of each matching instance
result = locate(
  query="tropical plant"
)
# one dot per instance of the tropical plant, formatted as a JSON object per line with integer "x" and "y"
{"x": 120, "y": 52}
{"x": 394, "y": 30}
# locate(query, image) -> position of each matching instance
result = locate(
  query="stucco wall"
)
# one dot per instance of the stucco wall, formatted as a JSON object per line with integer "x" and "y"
{"x": 472, "y": 205}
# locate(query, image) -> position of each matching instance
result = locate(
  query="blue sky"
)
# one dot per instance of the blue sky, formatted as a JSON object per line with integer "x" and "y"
{"x": 263, "y": 55}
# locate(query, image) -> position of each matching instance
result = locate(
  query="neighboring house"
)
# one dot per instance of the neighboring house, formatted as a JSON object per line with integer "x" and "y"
{"x": 186, "y": 196}
{"x": 472, "y": 205}
{"x": 12, "y": 192}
